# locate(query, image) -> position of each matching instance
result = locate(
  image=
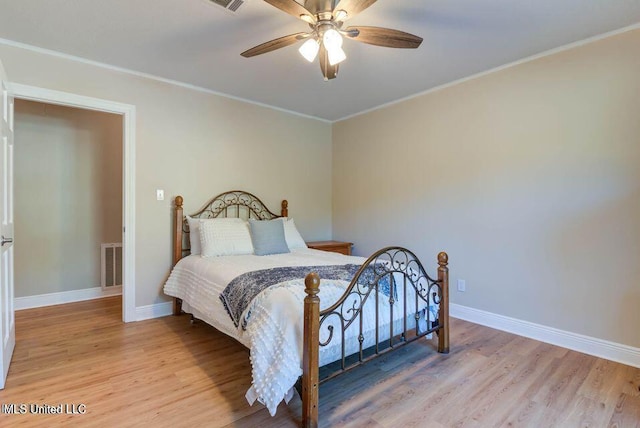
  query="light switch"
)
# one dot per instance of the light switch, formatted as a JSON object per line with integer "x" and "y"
{"x": 160, "y": 194}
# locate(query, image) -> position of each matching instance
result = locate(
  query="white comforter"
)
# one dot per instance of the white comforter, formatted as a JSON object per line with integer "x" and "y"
{"x": 274, "y": 329}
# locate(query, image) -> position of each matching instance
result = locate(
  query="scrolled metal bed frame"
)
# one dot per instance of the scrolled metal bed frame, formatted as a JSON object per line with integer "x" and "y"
{"x": 399, "y": 267}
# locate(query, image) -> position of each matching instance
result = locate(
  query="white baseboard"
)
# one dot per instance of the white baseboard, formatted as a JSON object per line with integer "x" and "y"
{"x": 28, "y": 302}
{"x": 142, "y": 312}
{"x": 589, "y": 345}
{"x": 154, "y": 311}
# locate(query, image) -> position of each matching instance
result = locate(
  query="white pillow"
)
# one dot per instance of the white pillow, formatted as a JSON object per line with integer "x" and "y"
{"x": 194, "y": 235}
{"x": 292, "y": 236}
{"x": 225, "y": 237}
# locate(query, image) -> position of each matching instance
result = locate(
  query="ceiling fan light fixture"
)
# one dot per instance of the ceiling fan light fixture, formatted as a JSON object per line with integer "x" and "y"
{"x": 336, "y": 55}
{"x": 332, "y": 39}
{"x": 340, "y": 15}
{"x": 309, "y": 49}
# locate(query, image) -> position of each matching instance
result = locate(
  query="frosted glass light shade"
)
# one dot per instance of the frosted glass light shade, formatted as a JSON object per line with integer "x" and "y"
{"x": 309, "y": 49}
{"x": 340, "y": 15}
{"x": 336, "y": 55}
{"x": 332, "y": 39}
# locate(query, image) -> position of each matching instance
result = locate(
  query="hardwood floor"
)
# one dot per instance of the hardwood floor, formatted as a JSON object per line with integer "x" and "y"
{"x": 169, "y": 373}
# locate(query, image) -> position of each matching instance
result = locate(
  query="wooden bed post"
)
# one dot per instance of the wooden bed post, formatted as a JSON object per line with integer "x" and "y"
{"x": 177, "y": 247}
{"x": 311, "y": 351}
{"x": 284, "y": 210}
{"x": 443, "y": 315}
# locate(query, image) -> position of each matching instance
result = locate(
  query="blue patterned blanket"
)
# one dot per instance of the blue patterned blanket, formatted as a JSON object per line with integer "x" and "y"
{"x": 237, "y": 296}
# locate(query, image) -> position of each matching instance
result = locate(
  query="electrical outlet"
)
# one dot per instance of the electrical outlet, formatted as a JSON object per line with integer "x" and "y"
{"x": 462, "y": 285}
{"x": 160, "y": 194}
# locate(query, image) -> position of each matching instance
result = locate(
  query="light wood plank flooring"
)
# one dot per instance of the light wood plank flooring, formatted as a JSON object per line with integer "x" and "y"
{"x": 169, "y": 373}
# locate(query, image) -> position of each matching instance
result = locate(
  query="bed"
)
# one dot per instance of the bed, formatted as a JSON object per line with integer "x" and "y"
{"x": 306, "y": 315}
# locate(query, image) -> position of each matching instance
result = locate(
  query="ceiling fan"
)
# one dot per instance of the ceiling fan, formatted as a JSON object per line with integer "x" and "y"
{"x": 326, "y": 19}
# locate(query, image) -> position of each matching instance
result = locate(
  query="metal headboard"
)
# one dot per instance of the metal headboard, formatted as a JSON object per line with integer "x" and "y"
{"x": 234, "y": 203}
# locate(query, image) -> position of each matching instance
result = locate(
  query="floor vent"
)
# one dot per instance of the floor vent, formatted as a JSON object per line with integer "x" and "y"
{"x": 111, "y": 256}
{"x": 230, "y": 5}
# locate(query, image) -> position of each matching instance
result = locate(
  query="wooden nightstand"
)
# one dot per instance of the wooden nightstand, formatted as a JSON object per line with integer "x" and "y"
{"x": 333, "y": 246}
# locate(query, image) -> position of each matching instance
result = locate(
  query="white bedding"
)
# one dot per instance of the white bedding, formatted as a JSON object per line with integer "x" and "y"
{"x": 274, "y": 330}
{"x": 199, "y": 281}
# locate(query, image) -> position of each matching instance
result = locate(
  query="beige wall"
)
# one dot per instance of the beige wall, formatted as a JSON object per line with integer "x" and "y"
{"x": 528, "y": 177}
{"x": 68, "y": 195}
{"x": 197, "y": 144}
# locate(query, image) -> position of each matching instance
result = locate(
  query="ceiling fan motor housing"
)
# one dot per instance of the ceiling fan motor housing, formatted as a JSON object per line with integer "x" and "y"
{"x": 321, "y": 5}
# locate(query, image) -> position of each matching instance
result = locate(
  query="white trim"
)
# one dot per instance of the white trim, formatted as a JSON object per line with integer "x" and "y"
{"x": 35, "y": 93}
{"x": 128, "y": 113}
{"x": 152, "y": 77}
{"x": 154, "y": 311}
{"x": 62, "y": 297}
{"x": 589, "y": 345}
{"x": 129, "y": 215}
{"x": 497, "y": 69}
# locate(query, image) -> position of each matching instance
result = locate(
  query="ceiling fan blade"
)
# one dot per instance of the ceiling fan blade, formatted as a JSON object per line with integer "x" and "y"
{"x": 328, "y": 71}
{"x": 352, "y": 7}
{"x": 274, "y": 44}
{"x": 383, "y": 37}
{"x": 293, "y": 8}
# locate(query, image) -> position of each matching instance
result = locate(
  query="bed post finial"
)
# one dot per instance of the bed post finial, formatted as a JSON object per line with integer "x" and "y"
{"x": 179, "y": 201}
{"x": 311, "y": 351}
{"x": 284, "y": 211}
{"x": 443, "y": 313}
{"x": 443, "y": 259}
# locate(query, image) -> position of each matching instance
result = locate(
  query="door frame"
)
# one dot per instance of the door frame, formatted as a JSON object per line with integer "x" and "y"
{"x": 128, "y": 113}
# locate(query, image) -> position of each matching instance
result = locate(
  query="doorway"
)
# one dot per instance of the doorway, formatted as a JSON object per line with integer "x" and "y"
{"x": 127, "y": 114}
{"x": 67, "y": 205}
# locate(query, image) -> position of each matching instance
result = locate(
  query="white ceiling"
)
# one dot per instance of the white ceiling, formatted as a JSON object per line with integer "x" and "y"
{"x": 199, "y": 43}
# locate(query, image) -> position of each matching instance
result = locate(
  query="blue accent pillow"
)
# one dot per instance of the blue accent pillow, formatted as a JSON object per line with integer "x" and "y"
{"x": 268, "y": 237}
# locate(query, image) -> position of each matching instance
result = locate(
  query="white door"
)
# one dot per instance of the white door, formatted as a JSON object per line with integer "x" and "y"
{"x": 7, "y": 319}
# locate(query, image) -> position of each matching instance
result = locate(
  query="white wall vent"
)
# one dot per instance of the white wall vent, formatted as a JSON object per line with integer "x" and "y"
{"x": 230, "y": 5}
{"x": 111, "y": 261}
